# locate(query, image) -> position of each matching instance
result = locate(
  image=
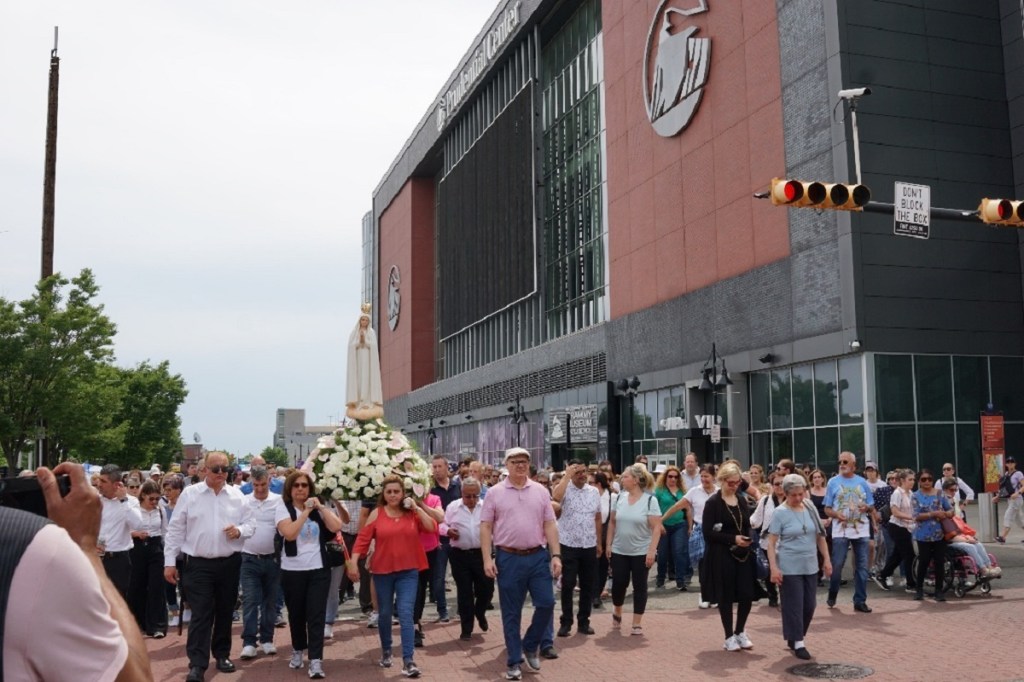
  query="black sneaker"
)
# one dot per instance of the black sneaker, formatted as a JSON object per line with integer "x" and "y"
{"x": 514, "y": 672}
{"x": 881, "y": 583}
{"x": 831, "y": 601}
{"x": 564, "y": 631}
{"x": 418, "y": 639}
{"x": 410, "y": 669}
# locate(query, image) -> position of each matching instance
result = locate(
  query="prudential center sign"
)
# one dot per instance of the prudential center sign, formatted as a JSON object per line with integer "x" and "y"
{"x": 676, "y": 63}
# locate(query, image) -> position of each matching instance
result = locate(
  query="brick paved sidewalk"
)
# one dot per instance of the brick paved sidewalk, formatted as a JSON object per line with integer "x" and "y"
{"x": 902, "y": 640}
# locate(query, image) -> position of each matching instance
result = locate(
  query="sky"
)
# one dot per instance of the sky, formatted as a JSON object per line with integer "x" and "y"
{"x": 214, "y": 162}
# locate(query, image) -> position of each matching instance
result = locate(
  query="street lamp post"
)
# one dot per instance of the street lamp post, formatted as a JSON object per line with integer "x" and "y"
{"x": 518, "y": 418}
{"x": 711, "y": 380}
{"x": 629, "y": 388}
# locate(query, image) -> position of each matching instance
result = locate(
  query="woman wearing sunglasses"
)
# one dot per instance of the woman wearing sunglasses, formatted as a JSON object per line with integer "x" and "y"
{"x": 674, "y": 544}
{"x": 930, "y": 506}
{"x": 146, "y": 593}
{"x": 306, "y": 525}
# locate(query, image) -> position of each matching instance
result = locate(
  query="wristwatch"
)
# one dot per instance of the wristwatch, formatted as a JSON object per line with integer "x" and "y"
{"x": 556, "y": 556}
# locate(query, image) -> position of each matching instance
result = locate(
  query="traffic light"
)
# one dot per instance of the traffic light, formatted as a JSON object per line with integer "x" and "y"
{"x": 802, "y": 194}
{"x": 1002, "y": 212}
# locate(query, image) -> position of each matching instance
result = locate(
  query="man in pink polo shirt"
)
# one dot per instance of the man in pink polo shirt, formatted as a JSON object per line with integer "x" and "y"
{"x": 517, "y": 520}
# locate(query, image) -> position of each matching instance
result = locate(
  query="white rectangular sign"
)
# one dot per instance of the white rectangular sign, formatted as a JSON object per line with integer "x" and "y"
{"x": 912, "y": 206}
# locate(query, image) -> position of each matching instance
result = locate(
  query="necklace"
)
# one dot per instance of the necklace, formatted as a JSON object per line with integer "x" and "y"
{"x": 737, "y": 518}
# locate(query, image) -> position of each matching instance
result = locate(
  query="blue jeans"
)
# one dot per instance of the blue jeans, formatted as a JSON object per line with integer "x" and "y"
{"x": 398, "y": 588}
{"x": 261, "y": 584}
{"x": 440, "y": 568}
{"x": 518, "y": 576}
{"x": 860, "y": 574}
{"x": 675, "y": 541}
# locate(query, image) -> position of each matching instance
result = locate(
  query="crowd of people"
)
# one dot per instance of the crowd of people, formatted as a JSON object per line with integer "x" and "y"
{"x": 177, "y": 548}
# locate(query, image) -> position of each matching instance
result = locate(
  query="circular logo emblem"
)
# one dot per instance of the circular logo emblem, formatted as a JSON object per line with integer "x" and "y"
{"x": 394, "y": 297}
{"x": 675, "y": 77}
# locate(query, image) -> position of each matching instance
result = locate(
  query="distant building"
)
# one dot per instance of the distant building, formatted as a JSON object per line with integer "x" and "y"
{"x": 292, "y": 435}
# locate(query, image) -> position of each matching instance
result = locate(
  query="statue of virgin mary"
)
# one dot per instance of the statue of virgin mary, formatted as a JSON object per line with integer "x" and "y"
{"x": 363, "y": 396}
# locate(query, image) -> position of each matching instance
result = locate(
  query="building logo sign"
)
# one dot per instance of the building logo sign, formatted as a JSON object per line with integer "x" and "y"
{"x": 488, "y": 49}
{"x": 676, "y": 64}
{"x": 394, "y": 297}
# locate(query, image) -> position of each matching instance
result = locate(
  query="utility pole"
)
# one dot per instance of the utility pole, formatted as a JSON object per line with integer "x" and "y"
{"x": 50, "y": 167}
{"x": 49, "y": 191}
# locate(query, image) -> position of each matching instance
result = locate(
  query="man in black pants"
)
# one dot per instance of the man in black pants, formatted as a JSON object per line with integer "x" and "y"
{"x": 579, "y": 533}
{"x": 209, "y": 525}
{"x": 473, "y": 588}
{"x": 120, "y": 514}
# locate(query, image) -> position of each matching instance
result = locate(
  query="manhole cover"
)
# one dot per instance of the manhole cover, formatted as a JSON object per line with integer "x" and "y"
{"x": 831, "y": 671}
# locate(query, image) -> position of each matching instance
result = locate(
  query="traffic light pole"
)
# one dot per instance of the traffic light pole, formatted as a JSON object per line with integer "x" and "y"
{"x": 943, "y": 213}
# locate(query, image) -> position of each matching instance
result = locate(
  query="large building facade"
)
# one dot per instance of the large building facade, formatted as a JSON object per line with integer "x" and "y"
{"x": 577, "y": 211}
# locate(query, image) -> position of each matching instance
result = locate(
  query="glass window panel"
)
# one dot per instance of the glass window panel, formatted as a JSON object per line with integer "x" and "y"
{"x": 760, "y": 402}
{"x": 934, "y": 388}
{"x": 897, "y": 446}
{"x": 803, "y": 445}
{"x": 828, "y": 448}
{"x": 968, "y": 455}
{"x": 851, "y": 439}
{"x": 761, "y": 448}
{"x": 851, "y": 390}
{"x": 970, "y": 386}
{"x": 826, "y": 397}
{"x": 936, "y": 443}
{"x": 1014, "y": 439}
{"x": 803, "y": 396}
{"x": 722, "y": 400}
{"x": 782, "y": 417}
{"x": 782, "y": 445}
{"x": 1008, "y": 387}
{"x": 650, "y": 413}
{"x": 894, "y": 388}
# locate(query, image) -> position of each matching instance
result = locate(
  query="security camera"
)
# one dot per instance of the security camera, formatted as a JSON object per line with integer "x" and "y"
{"x": 855, "y": 345}
{"x": 854, "y": 93}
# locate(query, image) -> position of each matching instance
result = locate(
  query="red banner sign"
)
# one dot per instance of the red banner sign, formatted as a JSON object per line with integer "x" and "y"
{"x": 993, "y": 450}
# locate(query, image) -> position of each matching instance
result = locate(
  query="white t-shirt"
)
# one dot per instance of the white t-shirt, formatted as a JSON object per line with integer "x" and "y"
{"x": 697, "y": 497}
{"x": 308, "y": 543}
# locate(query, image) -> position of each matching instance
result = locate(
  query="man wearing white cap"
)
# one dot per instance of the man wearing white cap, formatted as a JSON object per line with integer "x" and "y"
{"x": 517, "y": 520}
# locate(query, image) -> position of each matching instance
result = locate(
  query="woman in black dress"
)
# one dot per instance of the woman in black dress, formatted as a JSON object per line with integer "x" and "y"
{"x": 729, "y": 563}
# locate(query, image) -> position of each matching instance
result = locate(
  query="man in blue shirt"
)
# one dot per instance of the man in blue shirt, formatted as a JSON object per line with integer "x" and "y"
{"x": 849, "y": 502}
{"x": 276, "y": 484}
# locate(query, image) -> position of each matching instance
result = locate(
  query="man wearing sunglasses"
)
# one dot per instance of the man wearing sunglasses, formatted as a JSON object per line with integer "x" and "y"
{"x": 209, "y": 525}
{"x": 849, "y": 502}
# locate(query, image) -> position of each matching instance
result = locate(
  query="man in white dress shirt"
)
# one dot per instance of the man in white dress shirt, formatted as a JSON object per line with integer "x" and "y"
{"x": 260, "y": 573}
{"x": 209, "y": 525}
{"x": 462, "y": 527}
{"x": 120, "y": 515}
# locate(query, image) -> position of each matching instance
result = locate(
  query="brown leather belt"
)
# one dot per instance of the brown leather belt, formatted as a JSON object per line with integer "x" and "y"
{"x": 521, "y": 552}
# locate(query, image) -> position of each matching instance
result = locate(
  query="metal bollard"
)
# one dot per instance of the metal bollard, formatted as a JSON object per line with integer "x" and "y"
{"x": 988, "y": 524}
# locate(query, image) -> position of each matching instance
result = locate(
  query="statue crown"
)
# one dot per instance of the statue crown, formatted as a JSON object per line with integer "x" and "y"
{"x": 366, "y": 308}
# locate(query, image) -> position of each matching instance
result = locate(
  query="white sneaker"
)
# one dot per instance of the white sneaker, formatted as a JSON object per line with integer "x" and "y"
{"x": 731, "y": 644}
{"x": 186, "y": 617}
{"x": 316, "y": 669}
{"x": 373, "y": 620}
{"x": 744, "y": 641}
{"x": 248, "y": 651}
{"x": 296, "y": 662}
{"x": 172, "y": 622}
{"x": 704, "y": 605}
{"x": 269, "y": 649}
{"x": 328, "y": 631}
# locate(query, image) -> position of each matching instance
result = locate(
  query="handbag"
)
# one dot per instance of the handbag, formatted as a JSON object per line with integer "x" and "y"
{"x": 337, "y": 552}
{"x": 740, "y": 554}
{"x": 764, "y": 571}
{"x": 949, "y": 529}
{"x": 696, "y": 544}
{"x": 963, "y": 527}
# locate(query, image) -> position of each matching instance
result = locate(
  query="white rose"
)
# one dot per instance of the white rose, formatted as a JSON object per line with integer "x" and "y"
{"x": 343, "y": 480}
{"x": 360, "y": 447}
{"x": 337, "y": 494}
{"x": 352, "y": 494}
{"x": 362, "y": 480}
{"x": 368, "y": 492}
{"x": 376, "y": 478}
{"x": 408, "y": 484}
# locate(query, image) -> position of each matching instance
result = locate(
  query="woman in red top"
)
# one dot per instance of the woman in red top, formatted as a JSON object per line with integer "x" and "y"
{"x": 398, "y": 557}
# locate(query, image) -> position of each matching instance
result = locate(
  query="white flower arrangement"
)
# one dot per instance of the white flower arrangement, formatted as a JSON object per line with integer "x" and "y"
{"x": 352, "y": 463}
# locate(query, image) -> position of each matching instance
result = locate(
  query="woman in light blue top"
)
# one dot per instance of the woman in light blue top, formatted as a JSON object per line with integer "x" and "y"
{"x": 795, "y": 536}
{"x": 634, "y": 529}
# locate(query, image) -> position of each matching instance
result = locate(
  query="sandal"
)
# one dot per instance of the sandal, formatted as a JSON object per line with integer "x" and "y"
{"x": 637, "y": 630}
{"x": 616, "y": 619}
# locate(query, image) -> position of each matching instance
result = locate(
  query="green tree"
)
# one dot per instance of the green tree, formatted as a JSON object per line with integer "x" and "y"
{"x": 50, "y": 344}
{"x": 275, "y": 456}
{"x": 148, "y": 416}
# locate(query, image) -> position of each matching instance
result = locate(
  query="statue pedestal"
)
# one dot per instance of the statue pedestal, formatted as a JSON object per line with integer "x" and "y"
{"x": 365, "y": 413}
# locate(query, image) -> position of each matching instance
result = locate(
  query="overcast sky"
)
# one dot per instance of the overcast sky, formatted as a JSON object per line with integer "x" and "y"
{"x": 215, "y": 158}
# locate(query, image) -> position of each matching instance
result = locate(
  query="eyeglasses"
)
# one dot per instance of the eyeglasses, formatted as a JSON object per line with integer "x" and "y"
{"x": 467, "y": 496}
{"x": 300, "y": 484}
{"x": 845, "y": 461}
{"x": 733, "y": 482}
{"x": 153, "y": 498}
{"x": 925, "y": 479}
{"x": 672, "y": 476}
{"x": 776, "y": 483}
{"x": 947, "y": 468}
{"x": 133, "y": 487}
{"x": 218, "y": 469}
{"x": 519, "y": 462}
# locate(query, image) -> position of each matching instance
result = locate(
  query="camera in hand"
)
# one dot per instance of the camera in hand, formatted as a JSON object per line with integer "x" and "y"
{"x": 25, "y": 493}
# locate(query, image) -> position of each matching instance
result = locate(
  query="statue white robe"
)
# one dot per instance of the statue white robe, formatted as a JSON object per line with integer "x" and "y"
{"x": 364, "y": 398}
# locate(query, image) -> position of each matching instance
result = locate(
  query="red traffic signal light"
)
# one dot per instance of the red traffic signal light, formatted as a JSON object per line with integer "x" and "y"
{"x": 802, "y": 194}
{"x": 1002, "y": 212}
